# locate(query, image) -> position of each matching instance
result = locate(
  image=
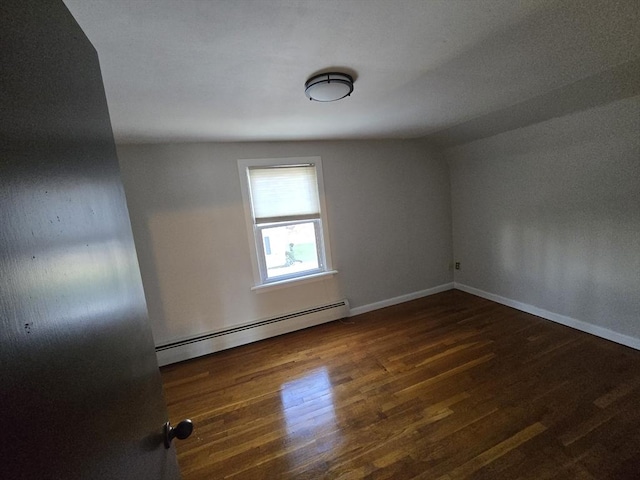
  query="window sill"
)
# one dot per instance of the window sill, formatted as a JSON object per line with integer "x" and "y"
{"x": 293, "y": 281}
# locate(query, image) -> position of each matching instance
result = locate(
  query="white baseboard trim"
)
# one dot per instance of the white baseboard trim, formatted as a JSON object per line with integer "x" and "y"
{"x": 555, "y": 317}
{"x": 401, "y": 299}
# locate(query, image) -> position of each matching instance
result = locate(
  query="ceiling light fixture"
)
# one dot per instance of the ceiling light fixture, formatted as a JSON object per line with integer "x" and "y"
{"x": 328, "y": 87}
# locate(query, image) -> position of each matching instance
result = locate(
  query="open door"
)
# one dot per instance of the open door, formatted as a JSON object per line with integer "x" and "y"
{"x": 80, "y": 391}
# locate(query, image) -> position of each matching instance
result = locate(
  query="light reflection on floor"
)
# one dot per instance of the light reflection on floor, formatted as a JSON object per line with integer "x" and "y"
{"x": 310, "y": 419}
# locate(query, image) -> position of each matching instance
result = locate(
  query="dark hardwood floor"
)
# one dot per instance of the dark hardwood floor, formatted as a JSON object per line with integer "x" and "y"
{"x": 448, "y": 386}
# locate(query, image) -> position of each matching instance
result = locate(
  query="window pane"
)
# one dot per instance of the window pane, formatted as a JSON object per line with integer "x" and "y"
{"x": 289, "y": 249}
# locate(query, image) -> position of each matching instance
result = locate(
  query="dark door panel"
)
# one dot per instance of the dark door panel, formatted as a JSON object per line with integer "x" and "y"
{"x": 80, "y": 391}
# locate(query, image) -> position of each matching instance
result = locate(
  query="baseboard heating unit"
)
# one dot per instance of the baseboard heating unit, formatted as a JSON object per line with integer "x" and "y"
{"x": 251, "y": 332}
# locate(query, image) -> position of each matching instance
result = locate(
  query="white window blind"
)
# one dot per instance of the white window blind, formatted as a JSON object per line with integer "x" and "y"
{"x": 282, "y": 193}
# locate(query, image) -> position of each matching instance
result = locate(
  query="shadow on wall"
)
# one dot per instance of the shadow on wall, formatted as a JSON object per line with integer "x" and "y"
{"x": 203, "y": 275}
{"x": 574, "y": 259}
{"x": 605, "y": 42}
{"x": 615, "y": 84}
{"x": 185, "y": 286}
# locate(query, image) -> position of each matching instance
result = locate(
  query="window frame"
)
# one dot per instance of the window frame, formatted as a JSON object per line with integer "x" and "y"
{"x": 254, "y": 230}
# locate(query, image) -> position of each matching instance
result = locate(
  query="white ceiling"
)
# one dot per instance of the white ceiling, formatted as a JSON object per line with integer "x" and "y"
{"x": 234, "y": 70}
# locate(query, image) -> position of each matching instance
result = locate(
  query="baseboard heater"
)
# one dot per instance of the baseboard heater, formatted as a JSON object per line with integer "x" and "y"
{"x": 242, "y": 334}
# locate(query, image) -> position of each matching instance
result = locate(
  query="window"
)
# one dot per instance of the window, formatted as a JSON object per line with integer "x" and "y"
{"x": 285, "y": 215}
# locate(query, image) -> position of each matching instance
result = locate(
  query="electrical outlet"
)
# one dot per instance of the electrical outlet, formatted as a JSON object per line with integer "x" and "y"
{"x": 457, "y": 265}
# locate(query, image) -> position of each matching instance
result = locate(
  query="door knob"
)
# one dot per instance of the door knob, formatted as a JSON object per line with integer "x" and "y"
{"x": 180, "y": 431}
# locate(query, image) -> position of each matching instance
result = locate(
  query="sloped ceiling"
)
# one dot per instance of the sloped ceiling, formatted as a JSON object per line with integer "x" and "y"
{"x": 453, "y": 70}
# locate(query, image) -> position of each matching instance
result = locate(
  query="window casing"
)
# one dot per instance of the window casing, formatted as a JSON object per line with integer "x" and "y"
{"x": 284, "y": 206}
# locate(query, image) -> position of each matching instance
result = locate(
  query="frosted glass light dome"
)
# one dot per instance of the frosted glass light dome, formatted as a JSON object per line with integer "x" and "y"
{"x": 328, "y": 87}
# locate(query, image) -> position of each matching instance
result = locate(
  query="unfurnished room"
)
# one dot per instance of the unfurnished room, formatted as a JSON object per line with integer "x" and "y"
{"x": 320, "y": 239}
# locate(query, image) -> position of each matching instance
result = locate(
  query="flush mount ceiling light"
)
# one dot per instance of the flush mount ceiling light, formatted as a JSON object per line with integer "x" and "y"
{"x": 329, "y": 87}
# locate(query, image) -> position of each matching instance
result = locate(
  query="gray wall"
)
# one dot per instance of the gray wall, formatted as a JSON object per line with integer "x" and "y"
{"x": 389, "y": 217}
{"x": 549, "y": 215}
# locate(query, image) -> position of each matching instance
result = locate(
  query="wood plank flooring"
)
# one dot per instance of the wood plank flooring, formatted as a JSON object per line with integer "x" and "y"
{"x": 449, "y": 386}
